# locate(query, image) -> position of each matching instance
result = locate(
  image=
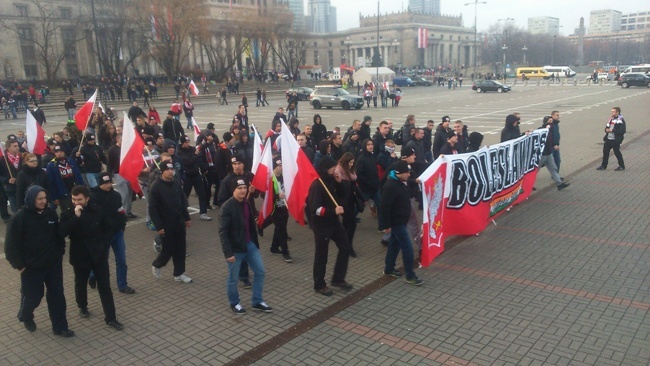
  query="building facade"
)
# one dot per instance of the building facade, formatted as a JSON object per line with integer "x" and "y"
{"x": 604, "y": 21}
{"x": 635, "y": 21}
{"x": 425, "y": 6}
{"x": 544, "y": 25}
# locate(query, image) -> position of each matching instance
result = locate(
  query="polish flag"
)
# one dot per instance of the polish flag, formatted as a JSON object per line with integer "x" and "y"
{"x": 131, "y": 160}
{"x": 264, "y": 181}
{"x": 83, "y": 115}
{"x": 423, "y": 37}
{"x": 298, "y": 174}
{"x": 193, "y": 89}
{"x": 258, "y": 147}
{"x": 35, "y": 135}
{"x": 197, "y": 130}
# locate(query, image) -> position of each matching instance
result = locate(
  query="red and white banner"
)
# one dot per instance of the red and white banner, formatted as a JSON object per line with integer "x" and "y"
{"x": 297, "y": 172}
{"x": 462, "y": 193}
{"x": 258, "y": 147}
{"x": 193, "y": 89}
{"x": 423, "y": 37}
{"x": 82, "y": 116}
{"x": 131, "y": 160}
{"x": 197, "y": 130}
{"x": 263, "y": 182}
{"x": 35, "y": 135}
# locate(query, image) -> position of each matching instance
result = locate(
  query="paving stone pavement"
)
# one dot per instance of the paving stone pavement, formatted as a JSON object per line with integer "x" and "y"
{"x": 561, "y": 279}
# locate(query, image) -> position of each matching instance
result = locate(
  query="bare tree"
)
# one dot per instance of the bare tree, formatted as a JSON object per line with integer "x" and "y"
{"x": 48, "y": 34}
{"x": 288, "y": 46}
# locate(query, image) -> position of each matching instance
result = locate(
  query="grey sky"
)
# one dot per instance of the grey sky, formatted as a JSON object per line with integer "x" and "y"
{"x": 569, "y": 11}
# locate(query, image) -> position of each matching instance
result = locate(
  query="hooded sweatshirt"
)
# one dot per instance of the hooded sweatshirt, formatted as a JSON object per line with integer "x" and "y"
{"x": 321, "y": 209}
{"x": 32, "y": 239}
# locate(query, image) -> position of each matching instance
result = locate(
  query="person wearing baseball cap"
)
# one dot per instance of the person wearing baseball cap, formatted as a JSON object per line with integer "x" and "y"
{"x": 395, "y": 212}
{"x": 239, "y": 243}
{"x": 167, "y": 205}
{"x": 111, "y": 202}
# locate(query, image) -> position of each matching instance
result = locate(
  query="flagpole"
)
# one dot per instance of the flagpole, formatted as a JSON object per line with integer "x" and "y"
{"x": 328, "y": 191}
{"x": 7, "y": 163}
{"x": 152, "y": 158}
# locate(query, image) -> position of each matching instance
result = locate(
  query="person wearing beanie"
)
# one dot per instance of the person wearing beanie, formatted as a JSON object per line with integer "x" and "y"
{"x": 172, "y": 128}
{"x": 34, "y": 247}
{"x": 440, "y": 138}
{"x": 167, "y": 205}
{"x": 324, "y": 216}
{"x": 239, "y": 243}
{"x": 31, "y": 174}
{"x": 450, "y": 145}
{"x": 90, "y": 158}
{"x": 395, "y": 212}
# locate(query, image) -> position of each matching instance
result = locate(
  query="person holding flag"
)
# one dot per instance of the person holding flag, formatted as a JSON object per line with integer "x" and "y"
{"x": 280, "y": 215}
{"x": 11, "y": 164}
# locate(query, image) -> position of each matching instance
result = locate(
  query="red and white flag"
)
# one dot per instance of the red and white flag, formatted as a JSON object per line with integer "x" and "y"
{"x": 83, "y": 115}
{"x": 197, "y": 130}
{"x": 258, "y": 147}
{"x": 423, "y": 37}
{"x": 433, "y": 182}
{"x": 131, "y": 160}
{"x": 298, "y": 174}
{"x": 35, "y": 135}
{"x": 193, "y": 89}
{"x": 263, "y": 182}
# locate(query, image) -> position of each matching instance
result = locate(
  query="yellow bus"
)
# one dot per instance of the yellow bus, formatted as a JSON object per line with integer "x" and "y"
{"x": 526, "y": 73}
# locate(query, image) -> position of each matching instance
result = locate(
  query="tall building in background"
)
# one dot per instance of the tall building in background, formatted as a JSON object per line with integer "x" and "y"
{"x": 604, "y": 21}
{"x": 297, "y": 7}
{"x": 321, "y": 17}
{"x": 425, "y": 6}
{"x": 636, "y": 21}
{"x": 544, "y": 25}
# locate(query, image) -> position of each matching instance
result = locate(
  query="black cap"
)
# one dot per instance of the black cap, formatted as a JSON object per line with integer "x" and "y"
{"x": 277, "y": 162}
{"x": 159, "y": 135}
{"x": 170, "y": 112}
{"x": 406, "y": 152}
{"x": 149, "y": 141}
{"x": 57, "y": 147}
{"x": 227, "y": 136}
{"x": 184, "y": 139}
{"x": 367, "y": 118}
{"x": 167, "y": 166}
{"x": 104, "y": 177}
{"x": 12, "y": 137}
{"x": 210, "y": 126}
{"x": 402, "y": 167}
{"x": 237, "y": 183}
{"x": 446, "y": 119}
{"x": 90, "y": 136}
{"x": 236, "y": 159}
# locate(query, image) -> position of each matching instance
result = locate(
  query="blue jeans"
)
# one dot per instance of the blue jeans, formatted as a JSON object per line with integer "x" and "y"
{"x": 400, "y": 240}
{"x": 119, "y": 251}
{"x": 71, "y": 113}
{"x": 556, "y": 158}
{"x": 254, "y": 259}
{"x": 91, "y": 179}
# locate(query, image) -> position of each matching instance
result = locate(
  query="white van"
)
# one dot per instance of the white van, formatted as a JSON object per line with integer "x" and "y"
{"x": 643, "y": 69}
{"x": 561, "y": 71}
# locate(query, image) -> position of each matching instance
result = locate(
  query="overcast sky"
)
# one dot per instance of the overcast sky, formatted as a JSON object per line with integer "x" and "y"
{"x": 569, "y": 11}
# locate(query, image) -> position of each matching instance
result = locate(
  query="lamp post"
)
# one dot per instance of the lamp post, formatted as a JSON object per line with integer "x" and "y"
{"x": 395, "y": 44}
{"x": 476, "y": 2}
{"x": 524, "y": 49}
{"x": 505, "y": 47}
{"x": 348, "y": 57}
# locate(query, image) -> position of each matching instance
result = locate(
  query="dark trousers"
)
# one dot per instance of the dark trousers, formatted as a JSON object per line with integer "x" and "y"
{"x": 4, "y": 212}
{"x": 173, "y": 247}
{"x": 102, "y": 275}
{"x": 211, "y": 179}
{"x": 609, "y": 145}
{"x": 322, "y": 236}
{"x": 31, "y": 290}
{"x": 196, "y": 182}
{"x": 350, "y": 221}
{"x": 280, "y": 235}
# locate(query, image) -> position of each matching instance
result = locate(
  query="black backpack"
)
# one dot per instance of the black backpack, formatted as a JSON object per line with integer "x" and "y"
{"x": 398, "y": 138}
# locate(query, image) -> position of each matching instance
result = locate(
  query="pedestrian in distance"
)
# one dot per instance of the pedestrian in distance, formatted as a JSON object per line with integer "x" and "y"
{"x": 614, "y": 134}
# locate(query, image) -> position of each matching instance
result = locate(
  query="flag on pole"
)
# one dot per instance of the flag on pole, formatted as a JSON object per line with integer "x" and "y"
{"x": 193, "y": 89}
{"x": 263, "y": 181}
{"x": 298, "y": 174}
{"x": 423, "y": 37}
{"x": 83, "y": 115}
{"x": 99, "y": 104}
{"x": 131, "y": 160}
{"x": 258, "y": 147}
{"x": 35, "y": 135}
{"x": 197, "y": 130}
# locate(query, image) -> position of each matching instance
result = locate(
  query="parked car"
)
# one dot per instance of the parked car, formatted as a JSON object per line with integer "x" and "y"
{"x": 302, "y": 92}
{"x": 628, "y": 80}
{"x": 403, "y": 81}
{"x": 490, "y": 85}
{"x": 422, "y": 81}
{"x": 331, "y": 96}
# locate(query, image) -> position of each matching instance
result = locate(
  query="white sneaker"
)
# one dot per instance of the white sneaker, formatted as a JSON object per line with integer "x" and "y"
{"x": 205, "y": 217}
{"x": 183, "y": 278}
{"x": 156, "y": 271}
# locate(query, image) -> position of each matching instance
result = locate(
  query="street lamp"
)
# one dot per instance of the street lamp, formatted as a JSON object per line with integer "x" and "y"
{"x": 505, "y": 48}
{"x": 347, "y": 42}
{"x": 524, "y": 49}
{"x": 395, "y": 44}
{"x": 476, "y": 2}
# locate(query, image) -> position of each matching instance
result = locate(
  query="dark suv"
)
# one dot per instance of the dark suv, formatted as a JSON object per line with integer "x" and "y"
{"x": 628, "y": 80}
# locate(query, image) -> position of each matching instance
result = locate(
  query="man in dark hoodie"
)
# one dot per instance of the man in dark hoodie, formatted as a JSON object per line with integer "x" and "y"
{"x": 319, "y": 131}
{"x": 89, "y": 229}
{"x": 34, "y": 247}
{"x": 167, "y": 205}
{"x": 105, "y": 196}
{"x": 442, "y": 133}
{"x": 324, "y": 218}
{"x": 511, "y": 129}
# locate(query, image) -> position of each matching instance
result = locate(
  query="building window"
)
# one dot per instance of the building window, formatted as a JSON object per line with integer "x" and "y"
{"x": 72, "y": 70}
{"x": 65, "y": 13}
{"x": 31, "y": 71}
{"x": 21, "y": 10}
{"x": 329, "y": 44}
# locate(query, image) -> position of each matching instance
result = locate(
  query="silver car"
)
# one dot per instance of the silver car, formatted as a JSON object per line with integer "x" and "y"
{"x": 334, "y": 96}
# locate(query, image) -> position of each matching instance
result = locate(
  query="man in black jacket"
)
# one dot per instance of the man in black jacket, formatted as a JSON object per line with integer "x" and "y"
{"x": 193, "y": 177}
{"x": 324, "y": 218}
{"x": 440, "y": 138}
{"x": 106, "y": 197}
{"x": 172, "y": 128}
{"x": 239, "y": 242}
{"x": 34, "y": 247}
{"x": 395, "y": 212}
{"x": 614, "y": 134}
{"x": 167, "y": 205}
{"x": 88, "y": 228}
{"x": 89, "y": 159}
{"x": 39, "y": 116}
